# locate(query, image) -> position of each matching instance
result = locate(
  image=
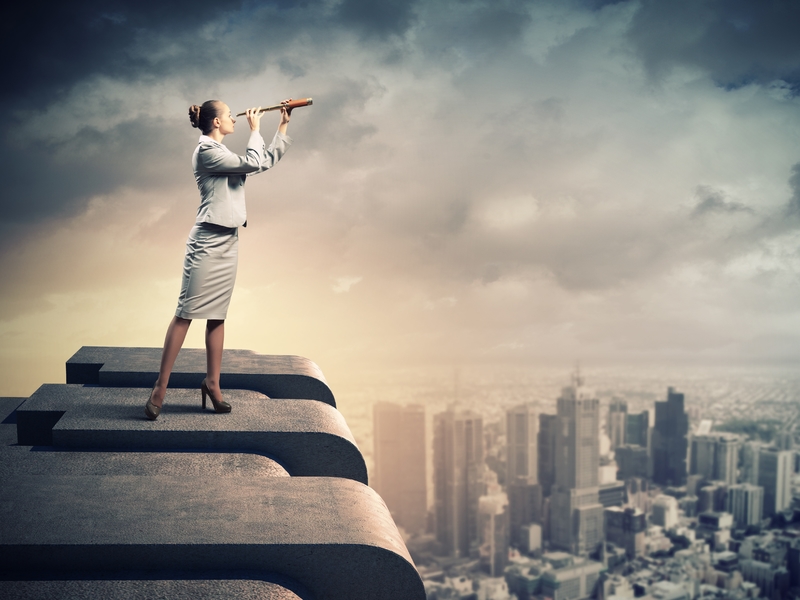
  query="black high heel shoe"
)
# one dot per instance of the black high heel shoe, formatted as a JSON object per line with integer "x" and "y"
{"x": 151, "y": 411}
{"x": 220, "y": 406}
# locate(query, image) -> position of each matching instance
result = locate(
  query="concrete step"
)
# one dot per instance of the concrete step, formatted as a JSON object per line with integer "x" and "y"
{"x": 306, "y": 437}
{"x": 329, "y": 538}
{"x": 274, "y": 376}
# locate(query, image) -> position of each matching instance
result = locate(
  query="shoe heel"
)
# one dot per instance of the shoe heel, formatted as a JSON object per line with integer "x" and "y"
{"x": 203, "y": 392}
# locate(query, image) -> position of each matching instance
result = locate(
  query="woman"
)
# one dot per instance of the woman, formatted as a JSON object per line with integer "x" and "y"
{"x": 209, "y": 268}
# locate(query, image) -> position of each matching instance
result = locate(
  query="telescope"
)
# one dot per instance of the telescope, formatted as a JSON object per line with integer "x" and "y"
{"x": 290, "y": 105}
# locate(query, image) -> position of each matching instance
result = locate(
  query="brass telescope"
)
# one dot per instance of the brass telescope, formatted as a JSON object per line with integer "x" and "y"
{"x": 290, "y": 105}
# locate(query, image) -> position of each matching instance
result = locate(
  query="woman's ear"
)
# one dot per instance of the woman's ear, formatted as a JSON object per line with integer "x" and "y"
{"x": 216, "y": 122}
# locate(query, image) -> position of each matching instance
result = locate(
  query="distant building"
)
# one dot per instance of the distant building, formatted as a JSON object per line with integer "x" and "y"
{"x": 617, "y": 422}
{"x": 522, "y": 435}
{"x": 712, "y": 497}
{"x": 524, "y": 491}
{"x": 775, "y": 470}
{"x": 665, "y": 511}
{"x": 576, "y": 515}
{"x": 773, "y": 582}
{"x": 400, "y": 473}
{"x": 669, "y": 443}
{"x": 715, "y": 456}
{"x": 626, "y": 527}
{"x": 632, "y": 461}
{"x": 702, "y": 454}
{"x": 458, "y": 478}
{"x": 547, "y": 452}
{"x": 750, "y": 456}
{"x": 570, "y": 577}
{"x": 667, "y": 590}
{"x": 612, "y": 494}
{"x": 746, "y": 504}
{"x": 726, "y": 459}
{"x": 637, "y": 429}
{"x": 715, "y": 528}
{"x": 494, "y": 528}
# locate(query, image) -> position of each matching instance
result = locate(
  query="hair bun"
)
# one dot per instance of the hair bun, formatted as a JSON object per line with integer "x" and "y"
{"x": 194, "y": 115}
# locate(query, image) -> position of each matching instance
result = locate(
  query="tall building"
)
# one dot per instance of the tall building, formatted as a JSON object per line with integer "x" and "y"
{"x": 775, "y": 469}
{"x": 547, "y": 452}
{"x": 632, "y": 461}
{"x": 458, "y": 478}
{"x": 637, "y": 428}
{"x": 400, "y": 479}
{"x": 703, "y": 448}
{"x": 669, "y": 442}
{"x": 750, "y": 453}
{"x": 726, "y": 459}
{"x": 625, "y": 528}
{"x": 576, "y": 515}
{"x": 715, "y": 456}
{"x": 524, "y": 491}
{"x": 522, "y": 434}
{"x": 494, "y": 527}
{"x": 746, "y": 504}
{"x": 617, "y": 422}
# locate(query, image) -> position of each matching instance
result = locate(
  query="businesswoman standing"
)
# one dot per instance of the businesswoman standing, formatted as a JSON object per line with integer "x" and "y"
{"x": 209, "y": 267}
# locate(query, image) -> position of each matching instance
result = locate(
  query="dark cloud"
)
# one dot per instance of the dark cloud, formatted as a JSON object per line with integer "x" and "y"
{"x": 736, "y": 41}
{"x": 58, "y": 178}
{"x": 711, "y": 200}
{"x": 476, "y": 27}
{"x": 376, "y": 19}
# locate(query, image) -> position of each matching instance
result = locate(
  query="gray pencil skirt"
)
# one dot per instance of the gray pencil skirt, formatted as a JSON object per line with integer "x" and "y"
{"x": 209, "y": 272}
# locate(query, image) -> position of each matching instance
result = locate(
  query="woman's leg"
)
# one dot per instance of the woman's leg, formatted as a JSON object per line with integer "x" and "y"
{"x": 176, "y": 333}
{"x": 215, "y": 337}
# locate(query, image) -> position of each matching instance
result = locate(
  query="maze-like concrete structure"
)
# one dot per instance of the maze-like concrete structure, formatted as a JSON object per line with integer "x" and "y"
{"x": 268, "y": 501}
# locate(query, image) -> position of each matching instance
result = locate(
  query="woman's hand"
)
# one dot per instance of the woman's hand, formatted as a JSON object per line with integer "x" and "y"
{"x": 254, "y": 118}
{"x": 286, "y": 115}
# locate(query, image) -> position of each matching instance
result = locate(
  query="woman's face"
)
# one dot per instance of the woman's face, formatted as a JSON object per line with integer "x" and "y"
{"x": 226, "y": 121}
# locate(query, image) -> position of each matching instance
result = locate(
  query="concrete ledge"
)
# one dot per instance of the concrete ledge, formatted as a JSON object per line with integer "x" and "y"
{"x": 180, "y": 589}
{"x": 274, "y": 376}
{"x": 308, "y": 438}
{"x": 333, "y": 536}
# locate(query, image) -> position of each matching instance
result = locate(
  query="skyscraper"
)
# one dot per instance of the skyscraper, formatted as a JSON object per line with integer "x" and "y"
{"x": 399, "y": 442}
{"x": 576, "y": 515}
{"x": 458, "y": 478}
{"x": 669, "y": 442}
{"x": 746, "y": 504}
{"x": 617, "y": 422}
{"x": 702, "y": 455}
{"x": 524, "y": 491}
{"x": 726, "y": 458}
{"x": 522, "y": 433}
{"x": 494, "y": 527}
{"x": 775, "y": 468}
{"x": 637, "y": 428}
{"x": 750, "y": 456}
{"x": 547, "y": 452}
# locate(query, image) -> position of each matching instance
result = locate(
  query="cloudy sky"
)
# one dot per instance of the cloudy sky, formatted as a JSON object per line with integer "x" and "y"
{"x": 478, "y": 181}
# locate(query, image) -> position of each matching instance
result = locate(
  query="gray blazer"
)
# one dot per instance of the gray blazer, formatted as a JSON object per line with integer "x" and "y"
{"x": 220, "y": 176}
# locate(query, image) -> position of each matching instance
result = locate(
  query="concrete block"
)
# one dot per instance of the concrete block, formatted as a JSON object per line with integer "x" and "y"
{"x": 306, "y": 437}
{"x": 332, "y": 538}
{"x": 274, "y": 376}
{"x": 135, "y": 589}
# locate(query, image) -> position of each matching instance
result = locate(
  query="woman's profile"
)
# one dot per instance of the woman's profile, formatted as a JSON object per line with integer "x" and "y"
{"x": 209, "y": 267}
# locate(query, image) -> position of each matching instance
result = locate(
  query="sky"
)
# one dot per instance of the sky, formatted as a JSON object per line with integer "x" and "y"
{"x": 477, "y": 183}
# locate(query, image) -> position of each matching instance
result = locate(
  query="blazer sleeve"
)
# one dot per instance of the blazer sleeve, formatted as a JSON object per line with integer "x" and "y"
{"x": 273, "y": 153}
{"x": 216, "y": 158}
